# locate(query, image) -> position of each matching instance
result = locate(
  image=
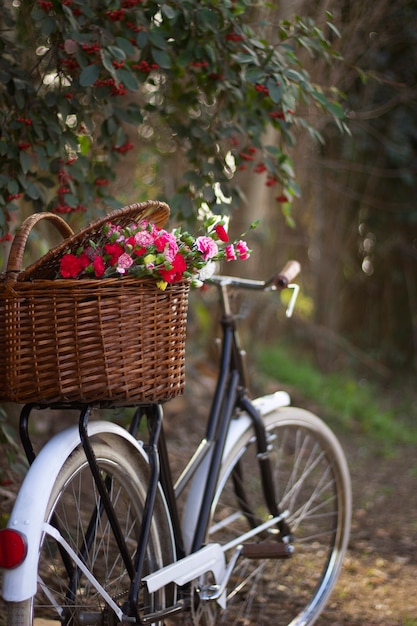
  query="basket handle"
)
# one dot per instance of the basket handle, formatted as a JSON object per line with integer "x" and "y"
{"x": 14, "y": 263}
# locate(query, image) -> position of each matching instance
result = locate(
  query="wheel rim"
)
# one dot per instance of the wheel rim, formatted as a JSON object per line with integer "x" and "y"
{"x": 72, "y": 508}
{"x": 310, "y": 485}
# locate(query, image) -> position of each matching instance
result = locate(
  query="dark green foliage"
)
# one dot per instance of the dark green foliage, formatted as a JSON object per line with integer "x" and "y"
{"x": 76, "y": 75}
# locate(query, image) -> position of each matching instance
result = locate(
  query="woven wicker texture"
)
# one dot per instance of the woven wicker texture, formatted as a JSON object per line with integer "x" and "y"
{"x": 113, "y": 341}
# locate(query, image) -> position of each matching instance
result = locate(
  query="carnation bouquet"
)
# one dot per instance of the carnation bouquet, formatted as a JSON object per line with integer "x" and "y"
{"x": 142, "y": 249}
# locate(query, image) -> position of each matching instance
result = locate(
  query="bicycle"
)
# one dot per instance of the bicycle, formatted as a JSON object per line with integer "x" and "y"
{"x": 96, "y": 537}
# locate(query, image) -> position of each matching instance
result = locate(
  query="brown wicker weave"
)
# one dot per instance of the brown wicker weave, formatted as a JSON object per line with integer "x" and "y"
{"x": 111, "y": 341}
{"x": 7, "y": 280}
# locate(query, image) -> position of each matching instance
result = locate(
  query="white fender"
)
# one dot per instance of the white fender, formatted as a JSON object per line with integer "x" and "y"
{"x": 30, "y": 507}
{"x": 238, "y": 425}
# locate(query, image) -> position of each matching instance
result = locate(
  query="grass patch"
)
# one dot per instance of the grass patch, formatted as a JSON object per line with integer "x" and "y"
{"x": 354, "y": 405}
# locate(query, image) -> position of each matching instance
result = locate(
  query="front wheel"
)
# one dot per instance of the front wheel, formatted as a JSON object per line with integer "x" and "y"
{"x": 65, "y": 595}
{"x": 312, "y": 485}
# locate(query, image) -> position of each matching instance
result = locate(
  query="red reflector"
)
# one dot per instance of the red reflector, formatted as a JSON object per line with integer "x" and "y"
{"x": 13, "y": 548}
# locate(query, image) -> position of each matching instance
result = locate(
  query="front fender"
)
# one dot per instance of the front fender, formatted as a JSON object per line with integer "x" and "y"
{"x": 238, "y": 425}
{"x": 29, "y": 511}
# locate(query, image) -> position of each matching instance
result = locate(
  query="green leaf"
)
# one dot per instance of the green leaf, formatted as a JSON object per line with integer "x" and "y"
{"x": 13, "y": 186}
{"x": 117, "y": 53}
{"x": 128, "y": 79}
{"x": 125, "y": 45}
{"x": 50, "y": 99}
{"x": 43, "y": 162}
{"x": 157, "y": 40}
{"x": 89, "y": 75}
{"x": 32, "y": 191}
{"x": 24, "y": 160}
{"x": 48, "y": 25}
{"x": 85, "y": 144}
{"x": 207, "y": 18}
{"x": 142, "y": 39}
{"x": 182, "y": 205}
{"x": 335, "y": 108}
{"x": 334, "y": 29}
{"x": 71, "y": 200}
{"x": 244, "y": 59}
{"x": 107, "y": 61}
{"x": 161, "y": 58}
{"x": 274, "y": 89}
{"x": 169, "y": 12}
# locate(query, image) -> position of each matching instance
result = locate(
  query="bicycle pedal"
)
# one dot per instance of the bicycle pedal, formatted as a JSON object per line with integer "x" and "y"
{"x": 274, "y": 550}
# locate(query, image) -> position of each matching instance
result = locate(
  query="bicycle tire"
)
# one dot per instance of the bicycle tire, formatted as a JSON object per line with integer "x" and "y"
{"x": 312, "y": 483}
{"x": 72, "y": 502}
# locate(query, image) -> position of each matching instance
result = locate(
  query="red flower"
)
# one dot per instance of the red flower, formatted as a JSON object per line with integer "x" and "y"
{"x": 114, "y": 250}
{"x": 70, "y": 266}
{"x": 99, "y": 266}
{"x": 178, "y": 268}
{"x": 221, "y": 233}
{"x": 139, "y": 251}
{"x": 84, "y": 261}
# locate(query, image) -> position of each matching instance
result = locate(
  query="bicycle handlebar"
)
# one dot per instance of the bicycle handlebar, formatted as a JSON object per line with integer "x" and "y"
{"x": 280, "y": 280}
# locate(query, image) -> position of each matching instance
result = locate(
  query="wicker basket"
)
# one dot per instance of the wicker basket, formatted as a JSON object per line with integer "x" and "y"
{"x": 111, "y": 341}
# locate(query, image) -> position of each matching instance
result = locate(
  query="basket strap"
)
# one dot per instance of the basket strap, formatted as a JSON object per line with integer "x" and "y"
{"x": 14, "y": 263}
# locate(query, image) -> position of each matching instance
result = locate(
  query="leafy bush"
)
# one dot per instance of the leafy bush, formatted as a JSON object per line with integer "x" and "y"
{"x": 76, "y": 75}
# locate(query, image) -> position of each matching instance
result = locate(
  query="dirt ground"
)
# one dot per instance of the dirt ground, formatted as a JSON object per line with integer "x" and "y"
{"x": 378, "y": 585}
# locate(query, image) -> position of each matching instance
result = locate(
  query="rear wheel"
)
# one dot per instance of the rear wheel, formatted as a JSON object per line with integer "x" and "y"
{"x": 65, "y": 595}
{"x": 312, "y": 485}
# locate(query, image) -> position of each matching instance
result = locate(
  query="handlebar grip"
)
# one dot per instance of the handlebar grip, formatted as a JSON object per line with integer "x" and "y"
{"x": 287, "y": 274}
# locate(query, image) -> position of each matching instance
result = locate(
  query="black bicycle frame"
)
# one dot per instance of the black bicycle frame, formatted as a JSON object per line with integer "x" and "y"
{"x": 230, "y": 394}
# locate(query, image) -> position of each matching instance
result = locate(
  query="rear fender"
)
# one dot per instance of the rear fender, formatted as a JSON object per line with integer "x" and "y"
{"x": 31, "y": 504}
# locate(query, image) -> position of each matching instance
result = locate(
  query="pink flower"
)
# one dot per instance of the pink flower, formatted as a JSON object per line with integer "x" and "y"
{"x": 242, "y": 250}
{"x": 230, "y": 253}
{"x": 124, "y": 262}
{"x": 207, "y": 247}
{"x": 143, "y": 239}
{"x": 166, "y": 242}
{"x": 110, "y": 229}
